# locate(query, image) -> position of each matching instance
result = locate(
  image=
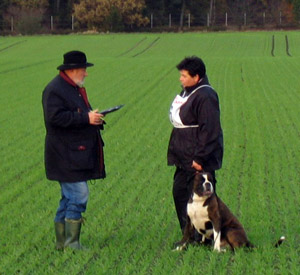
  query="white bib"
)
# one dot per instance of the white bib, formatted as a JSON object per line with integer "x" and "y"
{"x": 175, "y": 109}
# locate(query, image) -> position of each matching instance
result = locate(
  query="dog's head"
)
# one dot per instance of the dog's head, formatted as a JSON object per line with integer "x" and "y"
{"x": 203, "y": 186}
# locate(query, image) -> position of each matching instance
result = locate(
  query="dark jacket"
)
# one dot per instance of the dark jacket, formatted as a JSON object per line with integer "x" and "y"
{"x": 203, "y": 144}
{"x": 73, "y": 147}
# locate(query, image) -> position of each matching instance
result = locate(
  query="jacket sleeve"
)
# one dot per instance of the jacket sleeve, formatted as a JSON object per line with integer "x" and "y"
{"x": 59, "y": 114}
{"x": 208, "y": 114}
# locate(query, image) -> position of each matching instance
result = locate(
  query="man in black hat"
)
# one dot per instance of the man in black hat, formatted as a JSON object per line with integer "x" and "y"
{"x": 73, "y": 146}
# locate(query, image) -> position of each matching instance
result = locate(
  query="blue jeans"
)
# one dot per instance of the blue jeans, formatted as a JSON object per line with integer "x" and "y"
{"x": 74, "y": 197}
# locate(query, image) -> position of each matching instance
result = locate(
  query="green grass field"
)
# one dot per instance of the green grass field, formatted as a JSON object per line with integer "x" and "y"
{"x": 131, "y": 222}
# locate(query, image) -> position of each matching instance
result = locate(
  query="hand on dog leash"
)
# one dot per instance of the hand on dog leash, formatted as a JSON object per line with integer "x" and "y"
{"x": 197, "y": 166}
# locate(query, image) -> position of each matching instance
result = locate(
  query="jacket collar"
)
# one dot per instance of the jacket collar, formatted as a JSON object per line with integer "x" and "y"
{"x": 202, "y": 81}
{"x": 81, "y": 90}
{"x": 67, "y": 79}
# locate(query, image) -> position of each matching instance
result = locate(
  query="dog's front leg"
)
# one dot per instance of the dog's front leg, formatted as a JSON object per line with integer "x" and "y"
{"x": 216, "y": 221}
{"x": 217, "y": 240}
{"x": 188, "y": 231}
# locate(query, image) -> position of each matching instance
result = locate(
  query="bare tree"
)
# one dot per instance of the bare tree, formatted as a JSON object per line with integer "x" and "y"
{"x": 182, "y": 13}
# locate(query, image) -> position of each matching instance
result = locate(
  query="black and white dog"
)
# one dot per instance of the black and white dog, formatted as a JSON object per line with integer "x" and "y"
{"x": 209, "y": 215}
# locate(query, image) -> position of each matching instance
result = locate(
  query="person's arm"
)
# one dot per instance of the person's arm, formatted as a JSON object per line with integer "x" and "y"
{"x": 58, "y": 114}
{"x": 209, "y": 129}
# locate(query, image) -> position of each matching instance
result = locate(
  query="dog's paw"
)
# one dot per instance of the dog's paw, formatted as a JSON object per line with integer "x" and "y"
{"x": 180, "y": 246}
{"x": 220, "y": 249}
{"x": 217, "y": 248}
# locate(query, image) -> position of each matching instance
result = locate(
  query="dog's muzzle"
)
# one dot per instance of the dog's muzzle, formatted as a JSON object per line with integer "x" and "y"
{"x": 208, "y": 188}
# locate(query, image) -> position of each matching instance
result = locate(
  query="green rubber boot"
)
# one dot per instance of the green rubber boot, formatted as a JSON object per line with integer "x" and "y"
{"x": 60, "y": 235}
{"x": 73, "y": 228}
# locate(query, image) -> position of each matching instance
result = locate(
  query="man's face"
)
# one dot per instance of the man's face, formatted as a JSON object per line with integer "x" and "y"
{"x": 78, "y": 76}
{"x": 187, "y": 80}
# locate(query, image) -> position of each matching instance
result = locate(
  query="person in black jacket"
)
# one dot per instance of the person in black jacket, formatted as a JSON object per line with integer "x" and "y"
{"x": 73, "y": 145}
{"x": 196, "y": 142}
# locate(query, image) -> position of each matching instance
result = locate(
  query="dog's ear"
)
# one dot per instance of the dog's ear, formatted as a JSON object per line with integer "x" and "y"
{"x": 198, "y": 173}
{"x": 198, "y": 177}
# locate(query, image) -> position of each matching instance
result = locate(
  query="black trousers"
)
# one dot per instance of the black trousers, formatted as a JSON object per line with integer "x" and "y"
{"x": 182, "y": 190}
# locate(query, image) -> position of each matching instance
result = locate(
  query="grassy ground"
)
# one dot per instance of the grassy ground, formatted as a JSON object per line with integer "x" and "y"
{"x": 131, "y": 222}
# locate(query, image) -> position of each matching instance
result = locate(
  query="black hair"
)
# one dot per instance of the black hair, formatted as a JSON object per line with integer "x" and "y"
{"x": 194, "y": 65}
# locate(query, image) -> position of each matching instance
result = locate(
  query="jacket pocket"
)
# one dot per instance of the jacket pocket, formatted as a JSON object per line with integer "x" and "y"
{"x": 82, "y": 155}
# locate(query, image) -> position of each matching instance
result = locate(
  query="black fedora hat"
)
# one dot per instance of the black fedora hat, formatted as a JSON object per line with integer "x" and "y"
{"x": 74, "y": 60}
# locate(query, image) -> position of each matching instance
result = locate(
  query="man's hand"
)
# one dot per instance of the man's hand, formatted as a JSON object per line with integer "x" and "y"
{"x": 95, "y": 118}
{"x": 197, "y": 166}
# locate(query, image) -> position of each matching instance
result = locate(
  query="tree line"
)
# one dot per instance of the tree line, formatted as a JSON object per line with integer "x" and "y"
{"x": 131, "y": 15}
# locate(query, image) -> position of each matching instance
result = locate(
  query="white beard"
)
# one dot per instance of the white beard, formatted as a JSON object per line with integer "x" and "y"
{"x": 80, "y": 83}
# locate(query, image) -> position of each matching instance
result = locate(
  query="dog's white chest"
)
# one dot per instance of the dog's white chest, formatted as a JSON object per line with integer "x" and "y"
{"x": 198, "y": 213}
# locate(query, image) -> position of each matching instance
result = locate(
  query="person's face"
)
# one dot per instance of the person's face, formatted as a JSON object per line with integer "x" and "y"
{"x": 78, "y": 76}
{"x": 187, "y": 80}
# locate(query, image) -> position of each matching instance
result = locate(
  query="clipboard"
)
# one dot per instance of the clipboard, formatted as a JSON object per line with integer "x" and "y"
{"x": 110, "y": 110}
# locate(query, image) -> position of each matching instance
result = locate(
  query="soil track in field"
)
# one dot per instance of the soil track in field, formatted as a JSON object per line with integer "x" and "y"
{"x": 273, "y": 45}
{"x": 12, "y": 45}
{"x": 24, "y": 67}
{"x": 132, "y": 48}
{"x": 287, "y": 48}
{"x": 287, "y": 45}
{"x": 242, "y": 78}
{"x": 147, "y": 48}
